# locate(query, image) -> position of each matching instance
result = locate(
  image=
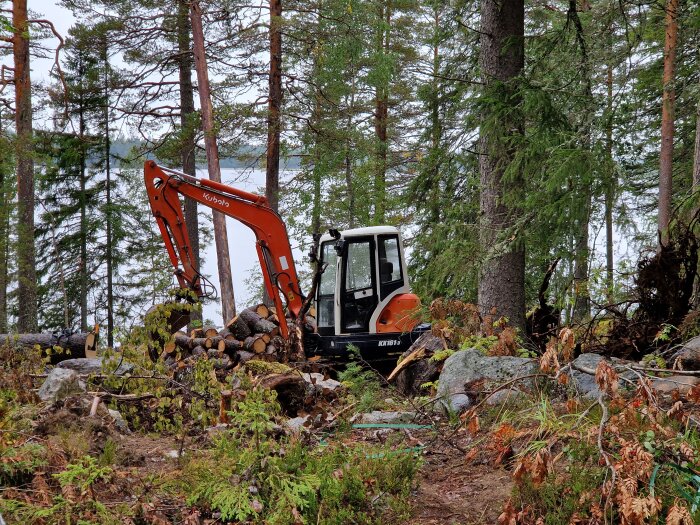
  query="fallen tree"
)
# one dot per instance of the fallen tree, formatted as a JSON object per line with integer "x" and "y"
{"x": 59, "y": 345}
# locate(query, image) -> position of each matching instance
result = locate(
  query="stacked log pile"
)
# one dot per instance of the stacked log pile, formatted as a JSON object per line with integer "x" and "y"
{"x": 252, "y": 334}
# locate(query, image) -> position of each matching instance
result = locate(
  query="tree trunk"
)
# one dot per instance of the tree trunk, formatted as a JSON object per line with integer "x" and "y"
{"x": 109, "y": 252}
{"x": 272, "y": 173}
{"x": 696, "y": 159}
{"x": 83, "y": 271}
{"x": 581, "y": 258}
{"x": 228, "y": 303}
{"x": 26, "y": 257}
{"x": 502, "y": 280}
{"x": 187, "y": 113}
{"x": 609, "y": 189}
{"x": 668, "y": 101}
{"x": 352, "y": 212}
{"x": 582, "y": 302}
{"x": 381, "y": 117}
{"x": 5, "y": 206}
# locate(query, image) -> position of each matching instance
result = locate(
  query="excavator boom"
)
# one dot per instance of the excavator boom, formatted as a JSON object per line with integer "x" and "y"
{"x": 164, "y": 186}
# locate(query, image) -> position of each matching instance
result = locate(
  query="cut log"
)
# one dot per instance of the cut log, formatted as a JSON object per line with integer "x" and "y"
{"x": 265, "y": 337}
{"x": 170, "y": 347}
{"x": 91, "y": 342}
{"x": 210, "y": 331}
{"x": 244, "y": 356}
{"x": 255, "y": 344}
{"x": 225, "y": 406}
{"x": 196, "y": 332}
{"x": 273, "y": 319}
{"x": 178, "y": 315}
{"x": 229, "y": 346}
{"x": 271, "y": 350}
{"x": 200, "y": 352}
{"x": 74, "y": 345}
{"x": 257, "y": 324}
{"x": 262, "y": 310}
{"x": 239, "y": 328}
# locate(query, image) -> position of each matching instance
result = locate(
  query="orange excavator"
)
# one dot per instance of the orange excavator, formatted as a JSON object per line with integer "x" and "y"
{"x": 360, "y": 288}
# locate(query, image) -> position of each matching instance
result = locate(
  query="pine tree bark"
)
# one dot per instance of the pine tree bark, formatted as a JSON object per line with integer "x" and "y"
{"x": 609, "y": 188}
{"x": 582, "y": 301}
{"x": 502, "y": 279}
{"x": 381, "y": 117}
{"x": 26, "y": 255}
{"x": 667, "y": 122}
{"x": 696, "y": 158}
{"x": 109, "y": 252}
{"x": 272, "y": 171}
{"x": 83, "y": 272}
{"x": 187, "y": 112}
{"x": 228, "y": 303}
{"x": 5, "y": 207}
{"x": 5, "y": 203}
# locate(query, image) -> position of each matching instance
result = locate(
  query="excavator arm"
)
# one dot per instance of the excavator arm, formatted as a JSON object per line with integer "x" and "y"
{"x": 272, "y": 241}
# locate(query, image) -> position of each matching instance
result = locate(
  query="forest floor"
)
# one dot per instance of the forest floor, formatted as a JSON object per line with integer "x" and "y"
{"x": 544, "y": 458}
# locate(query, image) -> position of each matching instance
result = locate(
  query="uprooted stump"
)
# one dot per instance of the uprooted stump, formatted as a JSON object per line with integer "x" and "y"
{"x": 415, "y": 367}
{"x": 662, "y": 292}
{"x": 291, "y": 390}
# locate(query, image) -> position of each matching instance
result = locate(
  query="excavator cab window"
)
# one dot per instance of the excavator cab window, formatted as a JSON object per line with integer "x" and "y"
{"x": 358, "y": 294}
{"x": 326, "y": 290}
{"x": 390, "y": 271}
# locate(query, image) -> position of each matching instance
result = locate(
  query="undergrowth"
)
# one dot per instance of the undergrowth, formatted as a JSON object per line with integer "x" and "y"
{"x": 251, "y": 476}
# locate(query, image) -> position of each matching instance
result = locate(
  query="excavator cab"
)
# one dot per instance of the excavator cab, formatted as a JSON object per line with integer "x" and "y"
{"x": 363, "y": 298}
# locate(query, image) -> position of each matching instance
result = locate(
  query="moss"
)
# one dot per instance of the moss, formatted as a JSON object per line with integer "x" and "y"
{"x": 264, "y": 368}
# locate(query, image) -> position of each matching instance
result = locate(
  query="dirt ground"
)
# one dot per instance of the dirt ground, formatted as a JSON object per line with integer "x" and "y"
{"x": 453, "y": 491}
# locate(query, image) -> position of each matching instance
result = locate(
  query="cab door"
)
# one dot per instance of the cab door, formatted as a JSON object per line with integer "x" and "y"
{"x": 358, "y": 290}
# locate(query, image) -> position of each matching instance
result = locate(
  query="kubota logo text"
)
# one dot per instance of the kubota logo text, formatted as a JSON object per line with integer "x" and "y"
{"x": 209, "y": 197}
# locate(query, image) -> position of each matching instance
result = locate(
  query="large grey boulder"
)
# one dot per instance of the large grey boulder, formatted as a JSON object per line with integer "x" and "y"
{"x": 61, "y": 383}
{"x": 667, "y": 385}
{"x": 468, "y": 366}
{"x": 583, "y": 374}
{"x": 95, "y": 365}
{"x": 689, "y": 356}
{"x": 583, "y": 382}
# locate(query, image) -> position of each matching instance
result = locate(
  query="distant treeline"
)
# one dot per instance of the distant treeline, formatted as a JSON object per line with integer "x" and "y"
{"x": 250, "y": 158}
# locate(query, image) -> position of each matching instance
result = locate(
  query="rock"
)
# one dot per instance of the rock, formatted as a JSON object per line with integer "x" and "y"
{"x": 379, "y": 417}
{"x": 584, "y": 383}
{"x": 119, "y": 421}
{"x": 666, "y": 385}
{"x": 468, "y": 366}
{"x": 320, "y": 384}
{"x": 296, "y": 424}
{"x": 689, "y": 356}
{"x": 61, "y": 383}
{"x": 85, "y": 366}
